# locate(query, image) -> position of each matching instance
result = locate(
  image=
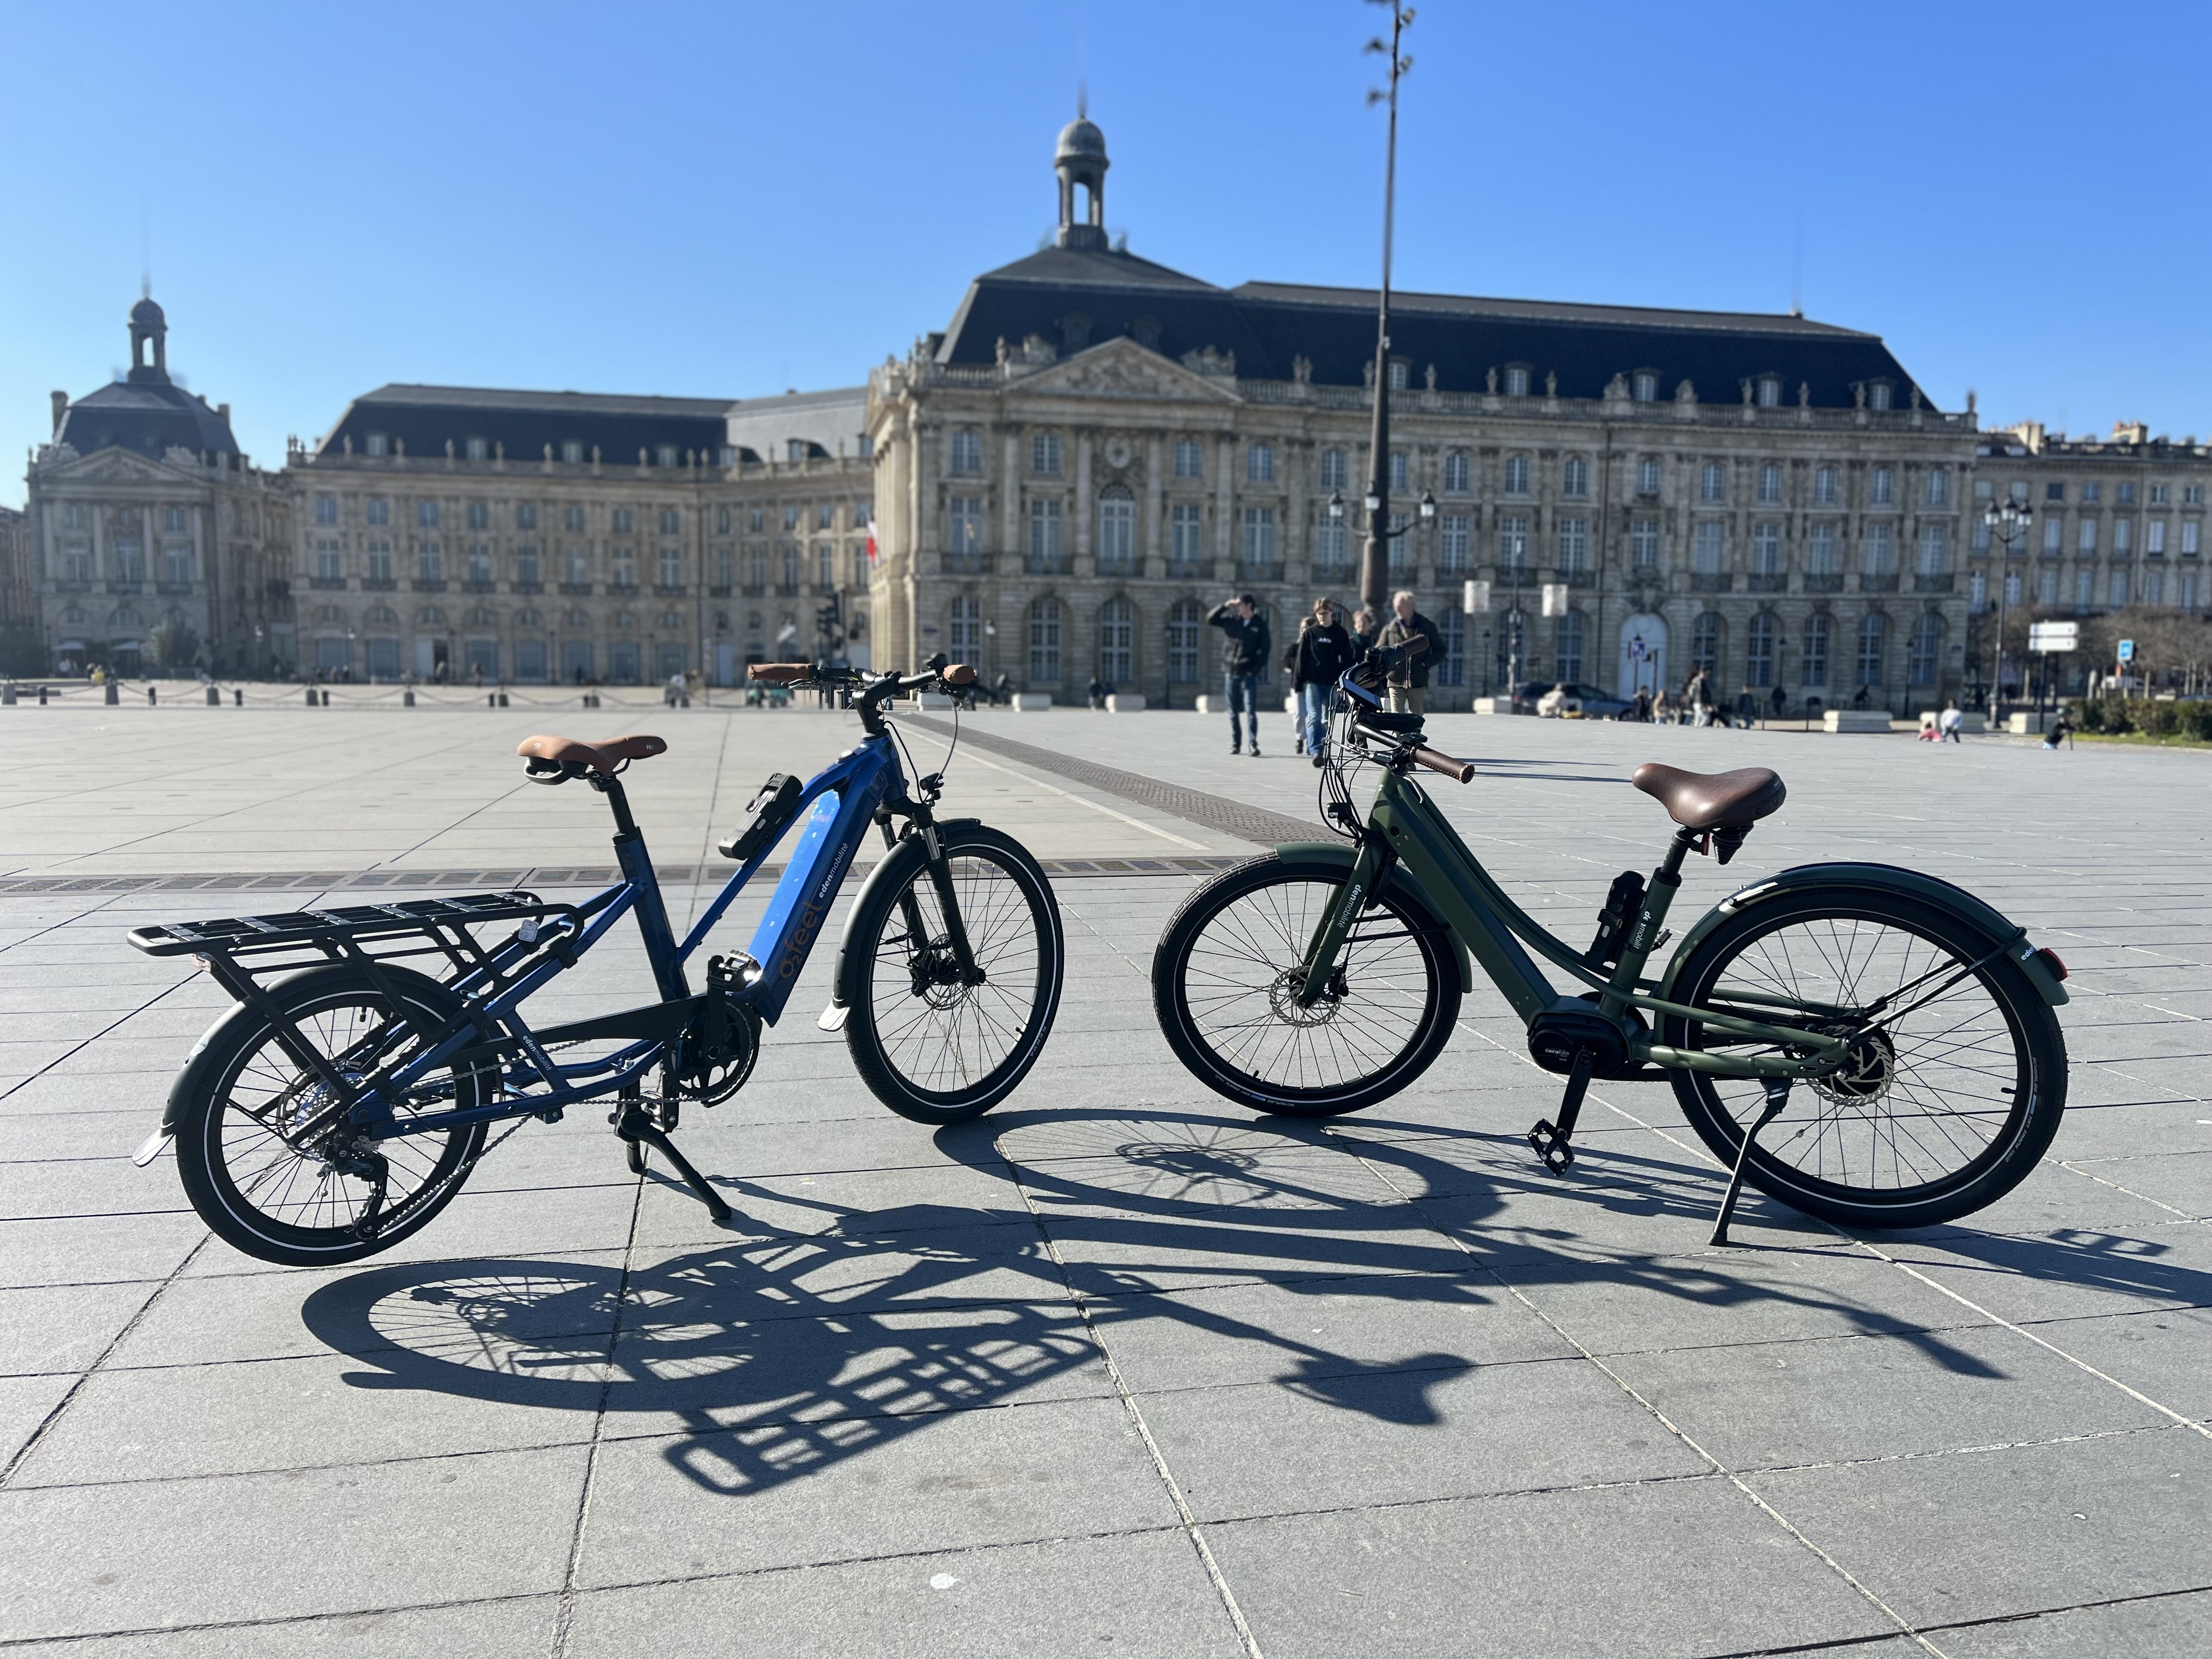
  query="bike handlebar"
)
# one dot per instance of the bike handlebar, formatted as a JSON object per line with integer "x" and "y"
{"x": 1458, "y": 771}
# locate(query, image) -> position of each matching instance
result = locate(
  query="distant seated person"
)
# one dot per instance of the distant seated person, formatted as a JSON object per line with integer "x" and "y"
{"x": 1554, "y": 703}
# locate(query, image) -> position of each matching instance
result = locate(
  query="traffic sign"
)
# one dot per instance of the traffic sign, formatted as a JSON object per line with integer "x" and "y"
{"x": 2127, "y": 650}
{"x": 2048, "y": 636}
{"x": 1556, "y": 598}
{"x": 1476, "y": 598}
{"x": 1638, "y": 650}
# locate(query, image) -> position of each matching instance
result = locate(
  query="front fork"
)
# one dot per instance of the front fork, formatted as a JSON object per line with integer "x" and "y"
{"x": 1370, "y": 869}
{"x": 940, "y": 878}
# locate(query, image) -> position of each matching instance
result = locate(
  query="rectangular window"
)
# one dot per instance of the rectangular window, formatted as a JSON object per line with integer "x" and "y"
{"x": 1260, "y": 538}
{"x": 1574, "y": 477}
{"x": 1333, "y": 471}
{"x": 1516, "y": 475}
{"x": 2054, "y": 536}
{"x": 1260, "y": 464}
{"x": 2159, "y": 494}
{"x": 964, "y": 526}
{"x": 1044, "y": 535}
{"x": 1189, "y": 463}
{"x": 1827, "y": 489}
{"x": 1939, "y": 487}
{"x": 967, "y": 453}
{"x": 329, "y": 563}
{"x": 2191, "y": 532}
{"x": 1766, "y": 552}
{"x": 1770, "y": 484}
{"x": 426, "y": 515}
{"x": 1712, "y": 482}
{"x": 671, "y": 570}
{"x": 757, "y": 519}
{"x": 380, "y": 510}
{"x": 1044, "y": 454}
{"x": 2086, "y": 541}
{"x": 1878, "y": 553}
{"x": 1513, "y": 545}
{"x": 1814, "y": 669}
{"x": 1185, "y": 538}
{"x": 1647, "y": 476}
{"x": 527, "y": 572}
{"x": 2046, "y": 587}
{"x": 2091, "y": 494}
{"x": 577, "y": 569}
{"x": 2085, "y": 589}
{"x": 430, "y": 562}
{"x": 2051, "y": 492}
{"x": 825, "y": 516}
{"x": 2192, "y": 495}
{"x": 2155, "y": 538}
{"x": 326, "y": 509}
{"x": 1881, "y": 487}
{"x": 2115, "y": 590}
{"x": 790, "y": 517}
{"x": 1117, "y": 533}
{"x": 479, "y": 565}
{"x": 1708, "y": 547}
{"x": 1643, "y": 544}
{"x": 624, "y": 518}
{"x": 479, "y": 515}
{"x": 1459, "y": 474}
{"x": 1398, "y": 485}
{"x": 1935, "y": 549}
{"x": 380, "y": 564}
{"x": 1453, "y": 543}
{"x": 1820, "y": 549}
{"x": 1451, "y": 623}
{"x": 1517, "y": 381}
{"x": 2125, "y": 494}
{"x": 671, "y": 522}
{"x": 1645, "y": 387}
{"x": 1329, "y": 544}
{"x": 2123, "y": 537}
{"x": 622, "y": 568}
{"x": 1574, "y": 546}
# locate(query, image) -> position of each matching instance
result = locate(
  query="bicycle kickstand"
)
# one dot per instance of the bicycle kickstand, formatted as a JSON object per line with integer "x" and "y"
{"x": 1778, "y": 1096}
{"x": 635, "y": 1125}
{"x": 1550, "y": 1141}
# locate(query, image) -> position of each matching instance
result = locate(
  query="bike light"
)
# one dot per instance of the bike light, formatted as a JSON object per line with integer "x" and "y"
{"x": 2050, "y": 958}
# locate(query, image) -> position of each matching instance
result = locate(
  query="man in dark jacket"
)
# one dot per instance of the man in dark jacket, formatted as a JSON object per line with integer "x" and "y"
{"x": 1409, "y": 680}
{"x": 1324, "y": 651}
{"x": 1243, "y": 661}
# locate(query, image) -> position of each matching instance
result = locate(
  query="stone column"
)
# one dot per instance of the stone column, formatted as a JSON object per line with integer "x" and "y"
{"x": 1152, "y": 546}
{"x": 1224, "y": 529}
{"x": 1080, "y": 507}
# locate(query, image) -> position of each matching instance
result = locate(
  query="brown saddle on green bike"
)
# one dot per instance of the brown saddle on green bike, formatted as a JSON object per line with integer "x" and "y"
{"x": 1713, "y": 800}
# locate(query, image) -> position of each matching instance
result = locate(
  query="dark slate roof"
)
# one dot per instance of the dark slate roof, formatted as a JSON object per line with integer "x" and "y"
{"x": 425, "y": 417}
{"x": 151, "y": 418}
{"x": 1267, "y": 325}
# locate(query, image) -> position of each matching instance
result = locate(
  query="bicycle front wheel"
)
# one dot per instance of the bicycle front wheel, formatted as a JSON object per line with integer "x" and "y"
{"x": 931, "y": 1047}
{"x": 1949, "y": 1095}
{"x": 1226, "y": 979}
{"x": 267, "y": 1185}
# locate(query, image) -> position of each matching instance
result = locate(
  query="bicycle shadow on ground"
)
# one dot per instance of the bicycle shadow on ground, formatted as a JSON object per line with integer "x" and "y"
{"x": 770, "y": 1357}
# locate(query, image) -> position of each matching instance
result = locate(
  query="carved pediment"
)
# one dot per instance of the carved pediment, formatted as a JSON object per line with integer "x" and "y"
{"x": 113, "y": 466}
{"x": 1122, "y": 368}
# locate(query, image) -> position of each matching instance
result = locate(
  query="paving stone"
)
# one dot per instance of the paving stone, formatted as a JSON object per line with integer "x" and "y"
{"x": 2160, "y": 1627}
{"x": 520, "y": 1628}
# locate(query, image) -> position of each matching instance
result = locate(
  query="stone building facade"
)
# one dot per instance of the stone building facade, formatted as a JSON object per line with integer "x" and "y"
{"x": 450, "y": 533}
{"x": 142, "y": 512}
{"x": 21, "y": 649}
{"x": 1098, "y": 450}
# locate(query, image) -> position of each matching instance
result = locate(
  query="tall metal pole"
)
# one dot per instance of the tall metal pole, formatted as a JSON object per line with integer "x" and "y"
{"x": 1375, "y": 562}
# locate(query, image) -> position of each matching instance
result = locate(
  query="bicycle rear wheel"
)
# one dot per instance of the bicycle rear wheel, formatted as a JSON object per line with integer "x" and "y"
{"x": 1950, "y": 1096}
{"x": 931, "y": 1048}
{"x": 264, "y": 1189}
{"x": 1225, "y": 974}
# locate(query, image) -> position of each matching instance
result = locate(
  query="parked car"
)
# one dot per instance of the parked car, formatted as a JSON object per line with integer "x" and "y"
{"x": 1593, "y": 702}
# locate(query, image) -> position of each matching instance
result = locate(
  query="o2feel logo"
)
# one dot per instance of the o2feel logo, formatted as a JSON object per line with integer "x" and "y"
{"x": 811, "y": 916}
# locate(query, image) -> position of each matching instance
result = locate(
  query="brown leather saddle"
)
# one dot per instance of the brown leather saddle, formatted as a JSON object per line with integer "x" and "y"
{"x": 597, "y": 757}
{"x": 1713, "y": 800}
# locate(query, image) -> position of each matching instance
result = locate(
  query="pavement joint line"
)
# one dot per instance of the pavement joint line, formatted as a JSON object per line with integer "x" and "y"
{"x": 1095, "y": 806}
{"x": 1187, "y": 1519}
{"x": 281, "y": 1622}
{"x": 77, "y": 1049}
{"x": 2076, "y": 1169}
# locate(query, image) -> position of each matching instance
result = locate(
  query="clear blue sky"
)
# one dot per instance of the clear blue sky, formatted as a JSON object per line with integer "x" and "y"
{"x": 731, "y": 199}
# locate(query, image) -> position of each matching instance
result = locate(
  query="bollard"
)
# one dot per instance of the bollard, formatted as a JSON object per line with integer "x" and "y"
{"x": 238, "y": 692}
{"x": 8, "y": 695}
{"x": 327, "y": 699}
{"x": 42, "y": 696}
{"x": 491, "y": 699}
{"x": 215, "y": 696}
{"x": 149, "y": 696}
{"x": 407, "y": 698}
{"x": 115, "y": 694}
{"x": 311, "y": 696}
{"x": 502, "y": 700}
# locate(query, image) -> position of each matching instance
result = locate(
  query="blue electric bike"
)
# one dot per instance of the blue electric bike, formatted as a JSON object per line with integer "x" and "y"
{"x": 343, "y": 1102}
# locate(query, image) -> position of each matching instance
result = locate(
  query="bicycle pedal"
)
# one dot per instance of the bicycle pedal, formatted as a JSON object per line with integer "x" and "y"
{"x": 1551, "y": 1148}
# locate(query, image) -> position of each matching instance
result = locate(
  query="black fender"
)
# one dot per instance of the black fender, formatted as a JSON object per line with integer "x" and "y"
{"x": 898, "y": 865}
{"x": 1344, "y": 852}
{"x": 1953, "y": 901}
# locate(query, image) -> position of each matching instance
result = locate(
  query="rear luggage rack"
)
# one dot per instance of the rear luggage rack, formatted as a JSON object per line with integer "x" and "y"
{"x": 235, "y": 936}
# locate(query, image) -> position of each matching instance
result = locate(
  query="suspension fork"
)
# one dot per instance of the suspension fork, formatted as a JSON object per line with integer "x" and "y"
{"x": 1369, "y": 870}
{"x": 940, "y": 878}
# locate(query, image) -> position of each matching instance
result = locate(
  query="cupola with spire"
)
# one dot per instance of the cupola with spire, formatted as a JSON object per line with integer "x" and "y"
{"x": 1080, "y": 159}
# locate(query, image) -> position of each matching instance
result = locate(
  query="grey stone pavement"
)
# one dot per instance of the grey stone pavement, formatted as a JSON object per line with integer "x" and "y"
{"x": 1119, "y": 1368}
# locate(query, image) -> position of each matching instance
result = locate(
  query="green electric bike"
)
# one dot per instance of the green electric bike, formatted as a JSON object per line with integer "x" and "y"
{"x": 1867, "y": 1044}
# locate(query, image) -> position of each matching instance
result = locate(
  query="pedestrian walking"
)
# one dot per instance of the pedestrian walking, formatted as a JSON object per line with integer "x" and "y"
{"x": 1779, "y": 699}
{"x": 1243, "y": 661}
{"x": 1950, "y": 720}
{"x": 1363, "y": 628}
{"x": 1664, "y": 711}
{"x": 1698, "y": 698}
{"x": 1325, "y": 649}
{"x": 1747, "y": 708}
{"x": 1409, "y": 679}
{"x": 1640, "y": 709}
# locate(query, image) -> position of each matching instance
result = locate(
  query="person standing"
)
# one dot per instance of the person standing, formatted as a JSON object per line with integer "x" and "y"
{"x": 1243, "y": 661}
{"x": 1697, "y": 699}
{"x": 1950, "y": 720}
{"x": 1409, "y": 679}
{"x": 1640, "y": 710}
{"x": 1324, "y": 651}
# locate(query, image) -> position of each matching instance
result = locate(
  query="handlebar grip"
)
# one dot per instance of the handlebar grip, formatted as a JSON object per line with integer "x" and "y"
{"x": 1458, "y": 771}
{"x": 780, "y": 673}
{"x": 959, "y": 674}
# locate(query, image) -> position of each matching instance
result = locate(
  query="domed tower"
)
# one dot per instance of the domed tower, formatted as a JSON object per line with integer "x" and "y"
{"x": 1081, "y": 160}
{"x": 149, "y": 326}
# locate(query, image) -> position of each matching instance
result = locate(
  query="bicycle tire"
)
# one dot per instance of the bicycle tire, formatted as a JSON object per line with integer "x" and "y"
{"x": 1943, "y": 1112}
{"x": 964, "y": 1048}
{"x": 1207, "y": 935}
{"x": 239, "y": 1200}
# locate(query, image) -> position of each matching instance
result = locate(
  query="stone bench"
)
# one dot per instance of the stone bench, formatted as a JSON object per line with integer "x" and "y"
{"x": 1856, "y": 719}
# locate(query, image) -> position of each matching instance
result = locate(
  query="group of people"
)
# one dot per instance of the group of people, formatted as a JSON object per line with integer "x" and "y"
{"x": 1316, "y": 659}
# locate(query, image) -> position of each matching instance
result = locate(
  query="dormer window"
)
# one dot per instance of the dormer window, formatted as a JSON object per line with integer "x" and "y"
{"x": 1878, "y": 395}
{"x": 794, "y": 450}
{"x": 1517, "y": 381}
{"x": 571, "y": 452}
{"x": 668, "y": 456}
{"x": 379, "y": 444}
{"x": 1769, "y": 391}
{"x": 478, "y": 449}
{"x": 1645, "y": 386}
{"x": 1402, "y": 374}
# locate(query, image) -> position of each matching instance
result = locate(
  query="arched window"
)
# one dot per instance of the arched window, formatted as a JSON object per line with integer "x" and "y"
{"x": 1568, "y": 647}
{"x": 1117, "y": 642}
{"x": 1185, "y": 622}
{"x": 1045, "y": 641}
{"x": 1873, "y": 644}
{"x": 1759, "y": 650}
{"x": 1705, "y": 643}
{"x": 1927, "y": 649}
{"x": 963, "y": 631}
{"x": 1117, "y": 532}
{"x": 1815, "y": 670}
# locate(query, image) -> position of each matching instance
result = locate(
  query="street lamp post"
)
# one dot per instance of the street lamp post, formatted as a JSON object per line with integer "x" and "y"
{"x": 2007, "y": 524}
{"x": 1375, "y": 564}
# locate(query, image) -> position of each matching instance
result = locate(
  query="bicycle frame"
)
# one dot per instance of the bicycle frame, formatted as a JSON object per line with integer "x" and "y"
{"x": 832, "y": 812}
{"x": 1404, "y": 827}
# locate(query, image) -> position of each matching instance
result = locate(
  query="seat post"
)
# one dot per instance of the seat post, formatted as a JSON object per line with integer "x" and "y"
{"x": 610, "y": 786}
